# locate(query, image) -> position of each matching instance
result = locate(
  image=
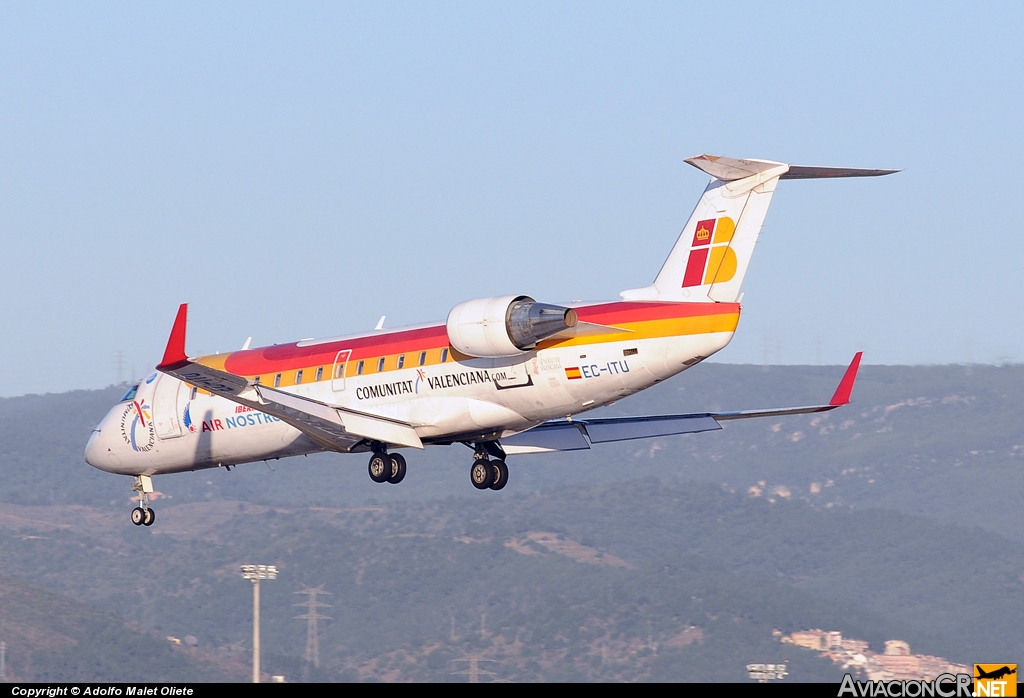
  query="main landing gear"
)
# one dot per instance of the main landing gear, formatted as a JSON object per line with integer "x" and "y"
{"x": 387, "y": 467}
{"x": 142, "y": 515}
{"x": 486, "y": 473}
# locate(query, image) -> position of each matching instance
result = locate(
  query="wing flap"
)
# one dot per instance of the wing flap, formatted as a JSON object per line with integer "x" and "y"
{"x": 628, "y": 428}
{"x": 547, "y": 437}
{"x": 313, "y": 413}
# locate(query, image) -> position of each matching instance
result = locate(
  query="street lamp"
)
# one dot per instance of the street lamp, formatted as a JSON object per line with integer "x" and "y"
{"x": 255, "y": 573}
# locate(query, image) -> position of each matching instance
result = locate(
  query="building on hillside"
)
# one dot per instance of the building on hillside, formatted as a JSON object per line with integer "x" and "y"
{"x": 897, "y": 662}
{"x": 897, "y": 648}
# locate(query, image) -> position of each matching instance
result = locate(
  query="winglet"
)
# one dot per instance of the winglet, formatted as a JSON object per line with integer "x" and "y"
{"x": 842, "y": 394}
{"x": 174, "y": 355}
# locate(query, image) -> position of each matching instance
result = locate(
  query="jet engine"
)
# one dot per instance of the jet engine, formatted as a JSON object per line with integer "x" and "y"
{"x": 505, "y": 325}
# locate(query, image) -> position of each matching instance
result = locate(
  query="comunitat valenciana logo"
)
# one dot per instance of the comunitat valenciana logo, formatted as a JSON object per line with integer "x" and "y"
{"x": 711, "y": 259}
{"x": 989, "y": 680}
{"x": 137, "y": 426}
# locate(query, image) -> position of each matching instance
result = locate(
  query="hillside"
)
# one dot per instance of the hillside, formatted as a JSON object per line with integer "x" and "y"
{"x": 641, "y": 581}
{"x": 673, "y": 559}
{"x": 51, "y": 637}
{"x": 945, "y": 442}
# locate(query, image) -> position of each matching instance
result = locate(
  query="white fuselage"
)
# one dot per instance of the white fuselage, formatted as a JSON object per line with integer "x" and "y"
{"x": 168, "y": 426}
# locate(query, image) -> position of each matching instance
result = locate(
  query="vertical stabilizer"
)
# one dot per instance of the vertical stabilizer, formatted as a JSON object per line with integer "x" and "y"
{"x": 712, "y": 254}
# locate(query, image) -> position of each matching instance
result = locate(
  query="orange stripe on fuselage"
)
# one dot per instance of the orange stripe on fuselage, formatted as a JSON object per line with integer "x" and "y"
{"x": 644, "y": 319}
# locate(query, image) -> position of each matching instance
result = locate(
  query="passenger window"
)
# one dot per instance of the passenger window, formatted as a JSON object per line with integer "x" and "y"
{"x": 194, "y": 391}
{"x": 423, "y": 357}
{"x": 339, "y": 371}
{"x": 380, "y": 364}
{"x": 319, "y": 372}
{"x": 277, "y": 381}
{"x": 401, "y": 361}
{"x": 256, "y": 380}
{"x": 298, "y": 376}
{"x": 444, "y": 355}
{"x": 359, "y": 368}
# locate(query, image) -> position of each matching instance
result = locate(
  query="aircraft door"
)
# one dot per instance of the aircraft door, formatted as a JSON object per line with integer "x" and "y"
{"x": 165, "y": 407}
{"x": 513, "y": 375}
{"x": 340, "y": 369}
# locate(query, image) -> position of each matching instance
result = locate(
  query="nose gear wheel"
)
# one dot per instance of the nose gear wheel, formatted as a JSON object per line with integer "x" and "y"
{"x": 143, "y": 515}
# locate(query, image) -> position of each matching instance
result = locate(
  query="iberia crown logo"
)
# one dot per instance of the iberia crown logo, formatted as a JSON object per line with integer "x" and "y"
{"x": 711, "y": 261}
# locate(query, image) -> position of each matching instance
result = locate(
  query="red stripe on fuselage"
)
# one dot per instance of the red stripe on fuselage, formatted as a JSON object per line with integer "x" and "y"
{"x": 288, "y": 357}
{"x": 621, "y": 312}
{"x": 285, "y": 357}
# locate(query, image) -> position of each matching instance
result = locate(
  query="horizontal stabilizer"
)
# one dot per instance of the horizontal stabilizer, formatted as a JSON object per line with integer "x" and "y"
{"x": 798, "y": 172}
{"x": 731, "y": 169}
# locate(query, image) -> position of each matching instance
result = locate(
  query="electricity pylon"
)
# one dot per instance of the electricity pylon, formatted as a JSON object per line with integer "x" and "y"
{"x": 311, "y": 616}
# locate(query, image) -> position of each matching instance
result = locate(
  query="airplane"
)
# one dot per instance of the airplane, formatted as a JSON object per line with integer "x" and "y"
{"x": 503, "y": 375}
{"x": 995, "y": 674}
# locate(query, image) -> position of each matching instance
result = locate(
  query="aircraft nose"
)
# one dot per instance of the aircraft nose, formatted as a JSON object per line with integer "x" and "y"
{"x": 92, "y": 449}
{"x": 98, "y": 452}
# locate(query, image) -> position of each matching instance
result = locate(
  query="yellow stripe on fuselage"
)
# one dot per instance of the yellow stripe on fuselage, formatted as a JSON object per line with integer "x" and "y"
{"x": 655, "y": 329}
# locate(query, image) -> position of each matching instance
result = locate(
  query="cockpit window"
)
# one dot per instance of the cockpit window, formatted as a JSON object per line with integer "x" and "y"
{"x": 130, "y": 395}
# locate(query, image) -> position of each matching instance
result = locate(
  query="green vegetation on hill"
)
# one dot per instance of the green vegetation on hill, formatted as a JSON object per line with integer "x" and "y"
{"x": 634, "y": 581}
{"x": 895, "y": 517}
{"x": 51, "y": 637}
{"x": 945, "y": 442}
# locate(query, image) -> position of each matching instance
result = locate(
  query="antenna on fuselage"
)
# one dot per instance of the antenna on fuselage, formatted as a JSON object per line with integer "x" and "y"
{"x": 247, "y": 343}
{"x": 380, "y": 323}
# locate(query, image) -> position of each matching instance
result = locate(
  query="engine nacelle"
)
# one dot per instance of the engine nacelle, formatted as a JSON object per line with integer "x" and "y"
{"x": 505, "y": 326}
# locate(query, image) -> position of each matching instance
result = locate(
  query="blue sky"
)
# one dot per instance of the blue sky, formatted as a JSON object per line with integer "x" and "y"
{"x": 300, "y": 170}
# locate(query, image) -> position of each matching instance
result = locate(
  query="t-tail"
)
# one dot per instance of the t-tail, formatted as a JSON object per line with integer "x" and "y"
{"x": 710, "y": 258}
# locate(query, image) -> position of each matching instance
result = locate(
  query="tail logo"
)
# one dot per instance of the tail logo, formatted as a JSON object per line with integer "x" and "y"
{"x": 711, "y": 259}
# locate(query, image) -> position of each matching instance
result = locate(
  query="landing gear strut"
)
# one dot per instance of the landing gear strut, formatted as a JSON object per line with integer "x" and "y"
{"x": 486, "y": 473}
{"x": 143, "y": 515}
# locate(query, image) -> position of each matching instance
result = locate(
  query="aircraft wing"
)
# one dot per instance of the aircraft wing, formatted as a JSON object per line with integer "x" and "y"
{"x": 335, "y": 428}
{"x": 578, "y": 434}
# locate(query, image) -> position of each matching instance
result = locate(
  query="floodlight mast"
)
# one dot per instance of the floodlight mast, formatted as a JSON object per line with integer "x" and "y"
{"x": 254, "y": 573}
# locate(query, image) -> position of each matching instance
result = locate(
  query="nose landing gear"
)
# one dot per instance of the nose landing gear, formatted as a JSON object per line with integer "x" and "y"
{"x": 142, "y": 515}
